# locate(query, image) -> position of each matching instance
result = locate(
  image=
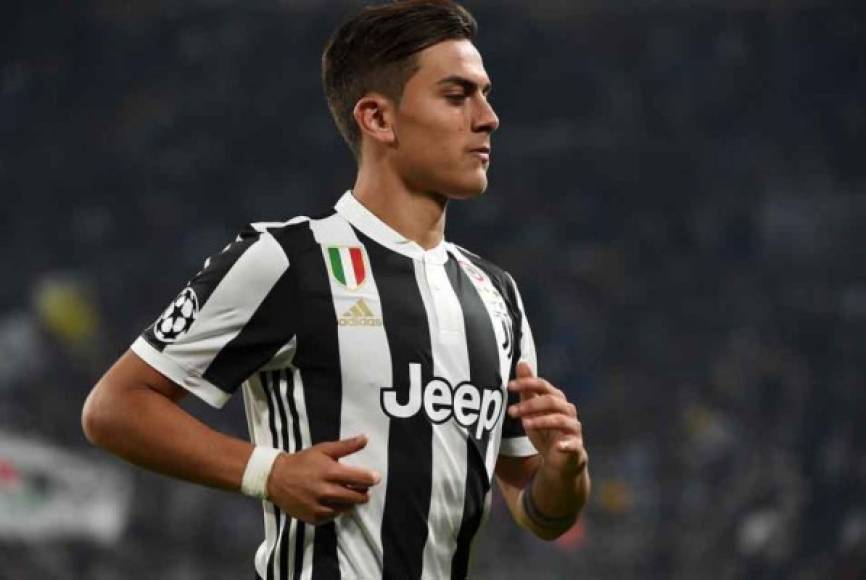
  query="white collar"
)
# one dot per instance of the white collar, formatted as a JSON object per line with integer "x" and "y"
{"x": 354, "y": 212}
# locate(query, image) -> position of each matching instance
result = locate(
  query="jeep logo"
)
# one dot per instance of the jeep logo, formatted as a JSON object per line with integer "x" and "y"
{"x": 471, "y": 406}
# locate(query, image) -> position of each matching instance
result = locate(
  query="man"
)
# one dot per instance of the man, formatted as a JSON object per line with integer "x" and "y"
{"x": 376, "y": 359}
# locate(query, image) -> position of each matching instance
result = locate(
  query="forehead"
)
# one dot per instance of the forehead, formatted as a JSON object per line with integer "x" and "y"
{"x": 450, "y": 58}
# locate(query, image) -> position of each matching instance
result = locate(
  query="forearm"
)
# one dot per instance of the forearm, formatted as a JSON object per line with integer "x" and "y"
{"x": 152, "y": 431}
{"x": 555, "y": 502}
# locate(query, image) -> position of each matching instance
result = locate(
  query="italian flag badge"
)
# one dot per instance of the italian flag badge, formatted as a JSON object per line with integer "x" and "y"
{"x": 348, "y": 266}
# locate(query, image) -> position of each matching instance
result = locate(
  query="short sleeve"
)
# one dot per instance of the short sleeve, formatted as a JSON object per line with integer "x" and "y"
{"x": 227, "y": 322}
{"x": 515, "y": 443}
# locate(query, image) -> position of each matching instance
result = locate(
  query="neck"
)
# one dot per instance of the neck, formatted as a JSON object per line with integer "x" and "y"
{"x": 417, "y": 215}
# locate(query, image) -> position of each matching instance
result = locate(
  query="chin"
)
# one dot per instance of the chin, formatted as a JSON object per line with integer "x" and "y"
{"x": 466, "y": 189}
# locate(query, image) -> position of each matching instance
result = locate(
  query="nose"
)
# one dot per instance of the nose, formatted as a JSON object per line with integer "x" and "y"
{"x": 486, "y": 120}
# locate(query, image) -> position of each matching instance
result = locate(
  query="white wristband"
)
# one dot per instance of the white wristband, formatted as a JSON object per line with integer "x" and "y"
{"x": 255, "y": 480}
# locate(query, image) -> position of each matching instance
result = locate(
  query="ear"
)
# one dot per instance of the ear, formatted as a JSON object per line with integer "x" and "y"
{"x": 374, "y": 114}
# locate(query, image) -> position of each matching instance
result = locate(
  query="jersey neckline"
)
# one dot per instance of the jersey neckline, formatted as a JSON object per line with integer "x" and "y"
{"x": 371, "y": 226}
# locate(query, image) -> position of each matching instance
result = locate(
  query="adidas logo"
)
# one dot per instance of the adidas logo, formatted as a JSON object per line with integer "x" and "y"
{"x": 360, "y": 315}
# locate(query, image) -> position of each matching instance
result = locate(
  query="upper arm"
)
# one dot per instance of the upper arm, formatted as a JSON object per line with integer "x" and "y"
{"x": 227, "y": 322}
{"x": 130, "y": 372}
{"x": 115, "y": 392}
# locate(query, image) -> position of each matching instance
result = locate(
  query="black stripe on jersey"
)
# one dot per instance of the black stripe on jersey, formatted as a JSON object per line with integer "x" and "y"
{"x": 318, "y": 359}
{"x": 503, "y": 283}
{"x": 483, "y": 350}
{"x": 209, "y": 277}
{"x": 268, "y": 329}
{"x": 410, "y": 440}
{"x": 275, "y": 442}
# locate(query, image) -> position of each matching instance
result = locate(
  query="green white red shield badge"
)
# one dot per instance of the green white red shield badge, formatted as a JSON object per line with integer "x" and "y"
{"x": 348, "y": 265}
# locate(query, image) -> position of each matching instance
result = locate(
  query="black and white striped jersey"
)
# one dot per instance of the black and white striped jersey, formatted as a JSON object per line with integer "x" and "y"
{"x": 337, "y": 326}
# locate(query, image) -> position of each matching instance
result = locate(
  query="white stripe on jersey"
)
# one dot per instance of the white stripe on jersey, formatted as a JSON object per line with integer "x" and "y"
{"x": 527, "y": 344}
{"x": 365, "y": 357}
{"x": 522, "y": 446}
{"x": 451, "y": 362}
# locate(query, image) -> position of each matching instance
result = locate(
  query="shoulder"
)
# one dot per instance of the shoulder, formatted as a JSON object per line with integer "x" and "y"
{"x": 260, "y": 249}
{"x": 289, "y": 237}
{"x": 499, "y": 277}
{"x": 256, "y": 230}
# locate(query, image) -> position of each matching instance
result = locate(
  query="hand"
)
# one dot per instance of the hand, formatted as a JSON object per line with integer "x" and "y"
{"x": 550, "y": 421}
{"x": 313, "y": 486}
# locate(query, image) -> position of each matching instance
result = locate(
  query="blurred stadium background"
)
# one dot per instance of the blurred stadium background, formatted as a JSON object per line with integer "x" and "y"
{"x": 678, "y": 186}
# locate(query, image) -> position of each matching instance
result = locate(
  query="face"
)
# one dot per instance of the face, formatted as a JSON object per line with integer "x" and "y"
{"x": 444, "y": 121}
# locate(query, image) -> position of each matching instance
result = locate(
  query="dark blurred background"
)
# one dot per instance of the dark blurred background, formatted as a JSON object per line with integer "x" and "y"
{"x": 679, "y": 188}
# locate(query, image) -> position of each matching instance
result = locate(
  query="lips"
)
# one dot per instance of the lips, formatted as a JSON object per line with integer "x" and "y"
{"x": 482, "y": 152}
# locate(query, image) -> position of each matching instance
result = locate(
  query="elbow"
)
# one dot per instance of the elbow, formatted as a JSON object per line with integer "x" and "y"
{"x": 94, "y": 418}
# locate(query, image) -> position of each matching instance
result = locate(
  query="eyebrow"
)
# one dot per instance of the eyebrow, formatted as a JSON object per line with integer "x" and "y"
{"x": 466, "y": 84}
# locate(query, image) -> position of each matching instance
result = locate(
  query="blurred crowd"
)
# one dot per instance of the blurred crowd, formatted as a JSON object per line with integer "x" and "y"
{"x": 679, "y": 189}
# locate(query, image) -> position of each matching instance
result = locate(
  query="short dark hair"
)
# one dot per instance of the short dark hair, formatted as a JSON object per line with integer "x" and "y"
{"x": 377, "y": 50}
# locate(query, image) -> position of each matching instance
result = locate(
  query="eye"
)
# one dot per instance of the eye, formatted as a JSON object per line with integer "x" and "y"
{"x": 457, "y": 99}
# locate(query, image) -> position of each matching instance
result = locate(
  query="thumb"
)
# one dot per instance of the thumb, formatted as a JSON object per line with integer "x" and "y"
{"x": 343, "y": 447}
{"x": 524, "y": 371}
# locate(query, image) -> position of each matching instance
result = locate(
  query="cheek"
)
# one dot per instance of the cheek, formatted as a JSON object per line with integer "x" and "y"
{"x": 429, "y": 149}
{"x": 436, "y": 133}
{"x": 433, "y": 147}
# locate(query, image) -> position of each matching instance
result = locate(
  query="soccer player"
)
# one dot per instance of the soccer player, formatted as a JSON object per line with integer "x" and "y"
{"x": 387, "y": 374}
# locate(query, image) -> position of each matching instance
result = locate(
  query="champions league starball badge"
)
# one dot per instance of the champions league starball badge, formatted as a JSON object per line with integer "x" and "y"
{"x": 178, "y": 317}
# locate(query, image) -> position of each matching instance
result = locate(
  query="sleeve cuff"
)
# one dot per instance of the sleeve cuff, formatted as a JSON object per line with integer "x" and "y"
{"x": 192, "y": 382}
{"x": 517, "y": 447}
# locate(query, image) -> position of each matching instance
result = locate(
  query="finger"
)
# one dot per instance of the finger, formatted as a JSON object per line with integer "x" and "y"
{"x": 344, "y": 447}
{"x": 322, "y": 515}
{"x": 339, "y": 508}
{"x": 340, "y": 496}
{"x": 361, "y": 488}
{"x": 353, "y": 476}
{"x": 558, "y": 422}
{"x": 541, "y": 405}
{"x": 534, "y": 386}
{"x": 524, "y": 370}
